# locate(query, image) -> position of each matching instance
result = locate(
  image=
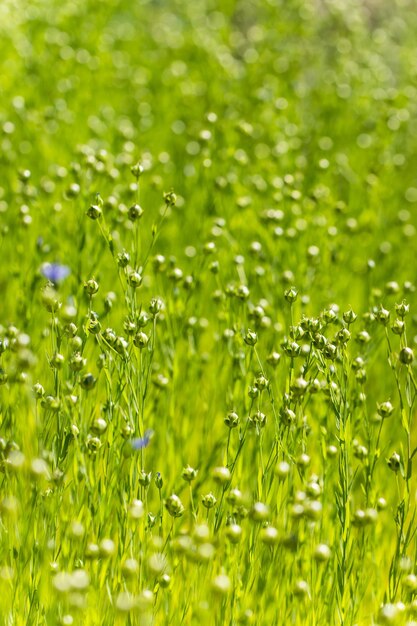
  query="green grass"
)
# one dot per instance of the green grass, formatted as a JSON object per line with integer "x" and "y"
{"x": 211, "y": 418}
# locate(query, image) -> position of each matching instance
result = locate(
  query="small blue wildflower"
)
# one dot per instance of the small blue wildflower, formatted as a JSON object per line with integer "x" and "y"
{"x": 55, "y": 272}
{"x": 142, "y": 442}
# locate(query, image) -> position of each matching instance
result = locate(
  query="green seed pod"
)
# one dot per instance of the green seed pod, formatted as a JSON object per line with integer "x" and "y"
{"x": 258, "y": 419}
{"x": 141, "y": 340}
{"x": 221, "y": 475}
{"x": 260, "y": 512}
{"x": 398, "y": 327}
{"x": 189, "y": 474}
{"x": 135, "y": 212}
{"x": 134, "y": 279}
{"x": 301, "y": 588}
{"x": 410, "y": 583}
{"x": 291, "y": 295}
{"x": 209, "y": 500}
{"x": 406, "y": 356}
{"x": 123, "y": 259}
{"x": 93, "y": 444}
{"x": 402, "y": 309}
{"x": 77, "y": 362}
{"x": 158, "y": 480}
{"x": 232, "y": 419}
{"x": 269, "y": 536}
{"x": 164, "y": 581}
{"x": 88, "y": 381}
{"x": 93, "y": 325}
{"x": 38, "y": 390}
{"x": 385, "y": 409}
{"x": 91, "y": 287}
{"x": 57, "y": 360}
{"x": 174, "y": 506}
{"x": 130, "y": 568}
{"x": 322, "y": 553}
{"x": 144, "y": 478}
{"x": 253, "y": 391}
{"x": 233, "y": 533}
{"x": 137, "y": 170}
{"x": 170, "y": 198}
{"x": 343, "y": 336}
{"x": 273, "y": 359}
{"x": 287, "y": 416}
{"x": 99, "y": 426}
{"x": 155, "y": 306}
{"x": 330, "y": 351}
{"x": 94, "y": 212}
{"x": 250, "y": 338}
{"x": 282, "y": 470}
{"x": 109, "y": 336}
{"x": 262, "y": 382}
{"x": 349, "y": 317}
{"x": 394, "y": 462}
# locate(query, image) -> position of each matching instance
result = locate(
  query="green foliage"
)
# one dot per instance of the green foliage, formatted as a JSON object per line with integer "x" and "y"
{"x": 208, "y": 320}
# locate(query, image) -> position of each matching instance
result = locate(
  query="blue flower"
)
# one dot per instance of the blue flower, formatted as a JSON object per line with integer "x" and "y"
{"x": 55, "y": 272}
{"x": 142, "y": 442}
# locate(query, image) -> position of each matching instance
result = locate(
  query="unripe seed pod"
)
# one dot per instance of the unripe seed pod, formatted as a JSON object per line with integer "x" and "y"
{"x": 137, "y": 170}
{"x": 209, "y": 500}
{"x": 260, "y": 512}
{"x": 301, "y": 588}
{"x": 349, "y": 316}
{"x": 258, "y": 419}
{"x": 269, "y": 536}
{"x": 385, "y": 409}
{"x": 406, "y": 356}
{"x": 232, "y": 419}
{"x": 123, "y": 259}
{"x": 233, "y": 533}
{"x": 144, "y": 478}
{"x": 88, "y": 381}
{"x": 38, "y": 390}
{"x": 57, "y": 360}
{"x": 94, "y": 212}
{"x": 398, "y": 327}
{"x": 135, "y": 212}
{"x": 410, "y": 582}
{"x": 291, "y": 295}
{"x": 273, "y": 358}
{"x": 282, "y": 470}
{"x": 155, "y": 306}
{"x": 99, "y": 426}
{"x": 174, "y": 506}
{"x": 322, "y": 553}
{"x": 164, "y": 581}
{"x": 250, "y": 338}
{"x": 93, "y": 444}
{"x": 331, "y": 451}
{"x": 134, "y": 279}
{"x": 221, "y": 584}
{"x": 221, "y": 475}
{"x": 402, "y": 309}
{"x": 141, "y": 340}
{"x": 91, "y": 287}
{"x": 77, "y": 362}
{"x": 287, "y": 415}
{"x": 130, "y": 567}
{"x": 189, "y": 474}
{"x": 394, "y": 462}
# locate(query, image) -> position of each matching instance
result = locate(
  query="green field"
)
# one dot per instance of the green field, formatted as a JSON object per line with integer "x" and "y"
{"x": 208, "y": 317}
